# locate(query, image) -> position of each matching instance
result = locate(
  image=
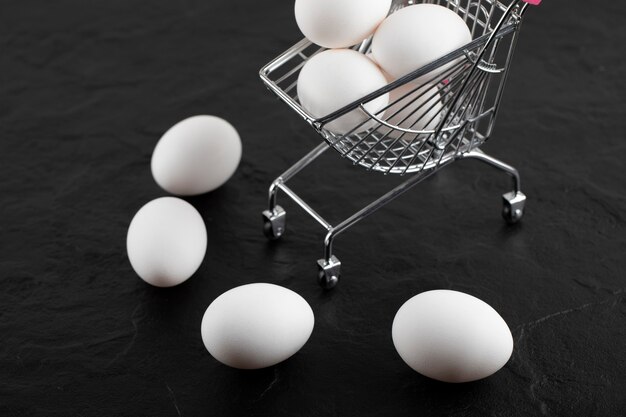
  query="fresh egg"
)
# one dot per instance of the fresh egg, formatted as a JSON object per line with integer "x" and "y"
{"x": 335, "y": 78}
{"x": 419, "y": 110}
{"x": 256, "y": 325}
{"x": 451, "y": 336}
{"x": 196, "y": 155}
{"x": 339, "y": 23}
{"x": 166, "y": 241}
{"x": 417, "y": 35}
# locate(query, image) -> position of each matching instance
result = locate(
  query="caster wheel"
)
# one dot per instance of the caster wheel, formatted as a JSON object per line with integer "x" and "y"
{"x": 274, "y": 223}
{"x": 512, "y": 217}
{"x": 326, "y": 282}
{"x": 328, "y": 273}
{"x": 513, "y": 206}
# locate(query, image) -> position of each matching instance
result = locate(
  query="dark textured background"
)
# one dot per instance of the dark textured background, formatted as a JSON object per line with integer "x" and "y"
{"x": 86, "y": 89}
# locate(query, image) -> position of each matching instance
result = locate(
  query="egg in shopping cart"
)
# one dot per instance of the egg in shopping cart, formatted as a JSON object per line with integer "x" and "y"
{"x": 417, "y": 35}
{"x": 166, "y": 241}
{"x": 335, "y": 78}
{"x": 256, "y": 325}
{"x": 451, "y": 336}
{"x": 339, "y": 23}
{"x": 412, "y": 107}
{"x": 196, "y": 155}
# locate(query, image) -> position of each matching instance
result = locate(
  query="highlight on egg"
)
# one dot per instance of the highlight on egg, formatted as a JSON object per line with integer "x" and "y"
{"x": 196, "y": 155}
{"x": 339, "y": 23}
{"x": 335, "y": 78}
{"x": 451, "y": 336}
{"x": 166, "y": 241}
{"x": 256, "y": 325}
{"x": 417, "y": 35}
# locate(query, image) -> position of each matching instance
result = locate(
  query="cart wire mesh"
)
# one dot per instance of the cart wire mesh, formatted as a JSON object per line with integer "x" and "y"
{"x": 436, "y": 113}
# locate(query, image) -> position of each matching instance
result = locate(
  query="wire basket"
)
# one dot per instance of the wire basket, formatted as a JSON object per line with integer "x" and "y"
{"x": 437, "y": 114}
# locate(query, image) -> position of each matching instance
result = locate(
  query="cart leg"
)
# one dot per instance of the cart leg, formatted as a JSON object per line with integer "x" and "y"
{"x": 329, "y": 267}
{"x": 513, "y": 202}
{"x": 275, "y": 217}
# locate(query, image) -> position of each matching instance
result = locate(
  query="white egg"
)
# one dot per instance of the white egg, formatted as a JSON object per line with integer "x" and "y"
{"x": 414, "y": 110}
{"x": 256, "y": 325}
{"x": 417, "y": 35}
{"x": 451, "y": 336}
{"x": 166, "y": 241}
{"x": 335, "y": 78}
{"x": 339, "y": 23}
{"x": 196, "y": 155}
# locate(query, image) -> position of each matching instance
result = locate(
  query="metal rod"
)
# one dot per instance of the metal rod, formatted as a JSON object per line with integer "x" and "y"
{"x": 496, "y": 163}
{"x": 302, "y": 163}
{"x": 371, "y": 208}
{"x": 305, "y": 206}
{"x": 472, "y": 71}
{"x": 505, "y": 76}
{"x": 293, "y": 170}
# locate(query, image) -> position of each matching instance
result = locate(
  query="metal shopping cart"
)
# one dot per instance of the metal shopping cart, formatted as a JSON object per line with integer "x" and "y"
{"x": 465, "y": 86}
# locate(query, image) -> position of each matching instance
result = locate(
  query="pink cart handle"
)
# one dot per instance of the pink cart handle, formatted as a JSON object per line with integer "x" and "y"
{"x": 533, "y": 2}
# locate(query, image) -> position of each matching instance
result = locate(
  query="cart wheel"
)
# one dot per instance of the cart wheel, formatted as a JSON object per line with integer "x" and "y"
{"x": 513, "y": 206}
{"x": 274, "y": 222}
{"x": 328, "y": 273}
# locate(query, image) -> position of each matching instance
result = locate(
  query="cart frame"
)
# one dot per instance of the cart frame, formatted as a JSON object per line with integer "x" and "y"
{"x": 455, "y": 138}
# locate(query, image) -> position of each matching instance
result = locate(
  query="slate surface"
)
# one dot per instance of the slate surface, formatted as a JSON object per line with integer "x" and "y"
{"x": 87, "y": 88}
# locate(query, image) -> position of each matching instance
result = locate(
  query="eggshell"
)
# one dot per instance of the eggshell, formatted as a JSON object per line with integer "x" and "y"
{"x": 417, "y": 35}
{"x": 419, "y": 110}
{"x": 256, "y": 325}
{"x": 339, "y": 23}
{"x": 451, "y": 336}
{"x": 166, "y": 241}
{"x": 335, "y": 78}
{"x": 196, "y": 155}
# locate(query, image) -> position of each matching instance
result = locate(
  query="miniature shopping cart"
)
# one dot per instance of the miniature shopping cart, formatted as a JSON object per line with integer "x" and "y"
{"x": 465, "y": 86}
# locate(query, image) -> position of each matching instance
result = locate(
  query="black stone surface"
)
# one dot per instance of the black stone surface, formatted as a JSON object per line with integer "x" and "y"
{"x": 88, "y": 87}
